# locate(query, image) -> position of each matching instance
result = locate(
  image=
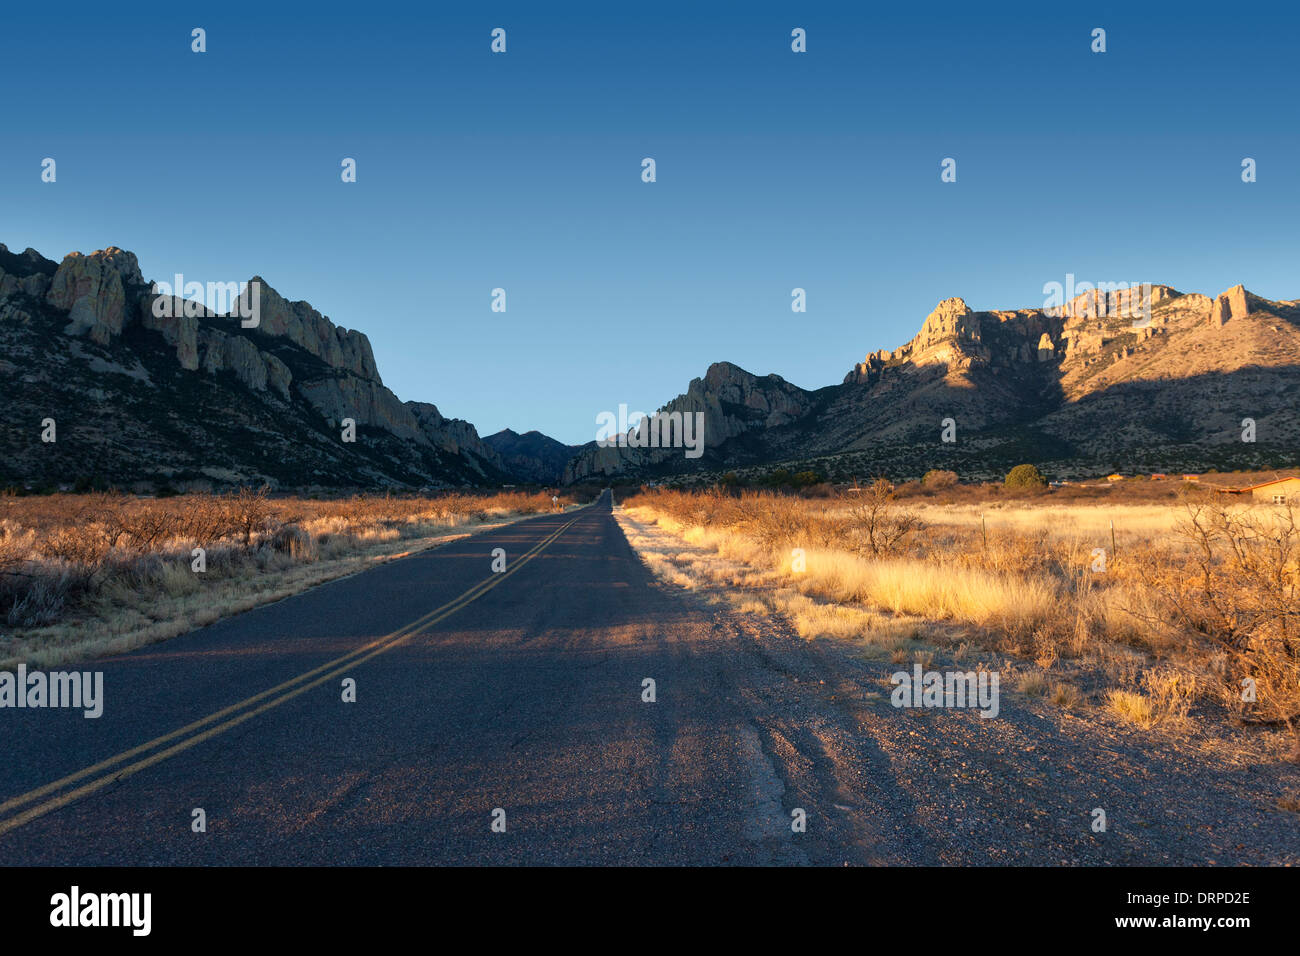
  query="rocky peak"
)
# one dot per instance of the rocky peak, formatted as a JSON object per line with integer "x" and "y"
{"x": 451, "y": 434}
{"x": 952, "y": 334}
{"x": 28, "y": 273}
{"x": 723, "y": 374}
{"x": 723, "y": 382}
{"x": 735, "y": 401}
{"x": 1233, "y": 304}
{"x": 25, "y": 263}
{"x": 532, "y": 456}
{"x": 951, "y": 318}
{"x": 93, "y": 290}
{"x": 304, "y": 326}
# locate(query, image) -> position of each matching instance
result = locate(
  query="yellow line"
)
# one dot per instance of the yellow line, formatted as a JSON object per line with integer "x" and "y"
{"x": 340, "y": 664}
{"x": 127, "y": 754}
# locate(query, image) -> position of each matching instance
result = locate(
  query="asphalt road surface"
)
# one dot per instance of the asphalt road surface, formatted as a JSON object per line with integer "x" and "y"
{"x": 476, "y": 692}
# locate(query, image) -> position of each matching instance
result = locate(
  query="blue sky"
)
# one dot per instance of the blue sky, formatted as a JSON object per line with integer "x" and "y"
{"x": 775, "y": 170}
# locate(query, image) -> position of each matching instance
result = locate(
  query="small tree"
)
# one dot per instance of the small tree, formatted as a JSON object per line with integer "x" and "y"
{"x": 250, "y": 512}
{"x": 1025, "y": 476}
{"x": 876, "y": 516}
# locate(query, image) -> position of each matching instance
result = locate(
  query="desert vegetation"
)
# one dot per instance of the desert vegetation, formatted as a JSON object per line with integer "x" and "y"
{"x": 1179, "y": 613}
{"x": 82, "y": 574}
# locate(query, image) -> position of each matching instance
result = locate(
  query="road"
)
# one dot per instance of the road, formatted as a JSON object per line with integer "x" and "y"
{"x": 518, "y": 696}
{"x": 525, "y": 697}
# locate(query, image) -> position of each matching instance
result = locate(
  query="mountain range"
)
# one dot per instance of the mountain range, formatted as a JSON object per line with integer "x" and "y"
{"x": 109, "y": 380}
{"x": 104, "y": 386}
{"x": 1143, "y": 379}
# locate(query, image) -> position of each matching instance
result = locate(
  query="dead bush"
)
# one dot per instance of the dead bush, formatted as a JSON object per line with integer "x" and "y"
{"x": 879, "y": 524}
{"x": 1239, "y": 590}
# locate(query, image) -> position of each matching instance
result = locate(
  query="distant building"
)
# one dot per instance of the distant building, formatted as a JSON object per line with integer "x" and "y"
{"x": 1278, "y": 491}
{"x": 1191, "y": 477}
{"x": 1158, "y": 476}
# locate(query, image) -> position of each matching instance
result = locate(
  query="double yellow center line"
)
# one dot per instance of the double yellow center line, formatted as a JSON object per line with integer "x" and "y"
{"x": 193, "y": 734}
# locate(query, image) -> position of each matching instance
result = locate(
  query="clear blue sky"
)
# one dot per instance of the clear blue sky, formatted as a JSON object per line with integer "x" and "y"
{"x": 775, "y": 170}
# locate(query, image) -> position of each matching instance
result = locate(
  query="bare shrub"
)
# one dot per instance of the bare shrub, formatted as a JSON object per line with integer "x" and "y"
{"x": 1239, "y": 590}
{"x": 250, "y": 512}
{"x": 879, "y": 524}
{"x": 41, "y": 600}
{"x": 938, "y": 478}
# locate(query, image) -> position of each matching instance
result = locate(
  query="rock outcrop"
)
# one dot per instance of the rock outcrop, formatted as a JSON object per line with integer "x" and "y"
{"x": 26, "y": 274}
{"x": 1115, "y": 300}
{"x": 178, "y": 330}
{"x": 735, "y": 401}
{"x": 454, "y": 435}
{"x": 258, "y": 370}
{"x": 1232, "y": 304}
{"x": 365, "y": 401}
{"x": 951, "y": 319}
{"x": 93, "y": 291}
{"x": 305, "y": 327}
{"x": 955, "y": 337}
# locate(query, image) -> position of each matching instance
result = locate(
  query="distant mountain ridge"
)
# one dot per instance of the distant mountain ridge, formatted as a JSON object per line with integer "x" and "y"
{"x": 532, "y": 456}
{"x": 1150, "y": 379}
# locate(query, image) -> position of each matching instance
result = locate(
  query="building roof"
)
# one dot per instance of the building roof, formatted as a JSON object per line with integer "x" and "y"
{"x": 1265, "y": 484}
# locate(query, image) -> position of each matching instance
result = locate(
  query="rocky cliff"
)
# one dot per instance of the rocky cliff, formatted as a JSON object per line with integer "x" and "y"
{"x": 150, "y": 387}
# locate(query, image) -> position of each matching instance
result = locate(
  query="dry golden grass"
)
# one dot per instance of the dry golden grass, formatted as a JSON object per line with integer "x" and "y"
{"x": 1035, "y": 684}
{"x": 1166, "y": 700}
{"x": 1083, "y": 522}
{"x": 1190, "y": 598}
{"x": 1131, "y": 707}
{"x": 1065, "y": 696}
{"x": 926, "y": 589}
